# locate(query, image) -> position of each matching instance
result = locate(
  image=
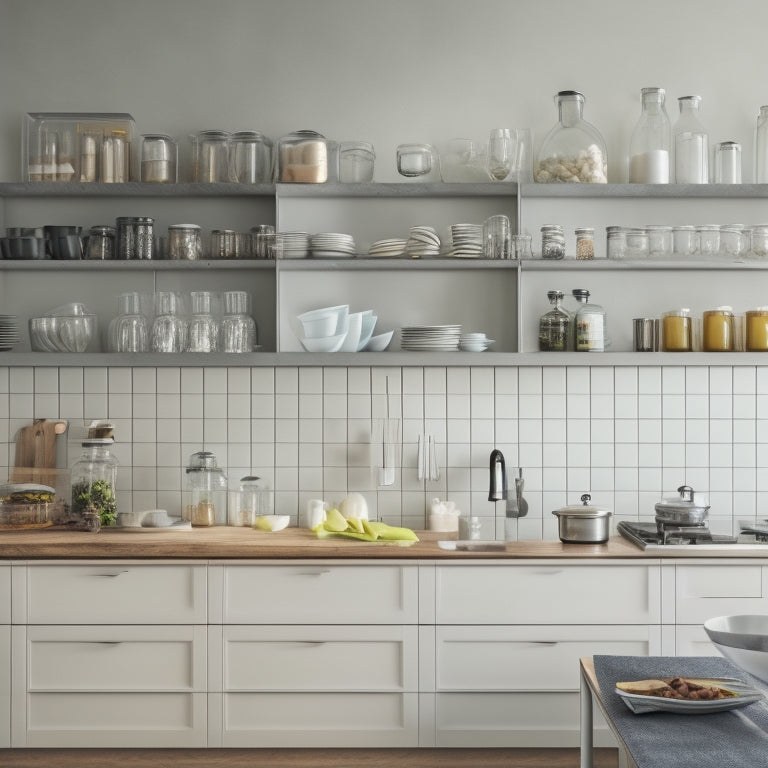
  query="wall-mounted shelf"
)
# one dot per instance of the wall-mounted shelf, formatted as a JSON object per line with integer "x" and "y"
{"x": 133, "y": 189}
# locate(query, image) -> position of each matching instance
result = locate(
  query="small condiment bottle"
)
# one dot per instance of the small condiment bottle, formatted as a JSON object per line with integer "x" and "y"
{"x": 677, "y": 330}
{"x": 757, "y": 330}
{"x": 718, "y": 330}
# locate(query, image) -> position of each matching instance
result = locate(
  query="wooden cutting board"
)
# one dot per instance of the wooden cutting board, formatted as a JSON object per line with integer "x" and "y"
{"x": 35, "y": 460}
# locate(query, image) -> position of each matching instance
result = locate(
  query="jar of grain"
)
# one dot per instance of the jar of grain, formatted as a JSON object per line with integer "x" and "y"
{"x": 585, "y": 243}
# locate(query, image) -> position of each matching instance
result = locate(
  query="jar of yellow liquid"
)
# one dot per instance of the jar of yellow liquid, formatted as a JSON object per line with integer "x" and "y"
{"x": 757, "y": 329}
{"x": 718, "y": 330}
{"x": 677, "y": 331}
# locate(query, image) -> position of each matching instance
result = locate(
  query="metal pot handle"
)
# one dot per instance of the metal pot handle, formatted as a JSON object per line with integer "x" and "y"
{"x": 686, "y": 492}
{"x": 585, "y": 499}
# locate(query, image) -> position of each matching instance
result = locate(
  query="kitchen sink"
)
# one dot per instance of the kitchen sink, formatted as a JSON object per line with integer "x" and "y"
{"x": 473, "y": 545}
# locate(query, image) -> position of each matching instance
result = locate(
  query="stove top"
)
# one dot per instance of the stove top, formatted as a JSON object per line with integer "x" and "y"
{"x": 647, "y": 536}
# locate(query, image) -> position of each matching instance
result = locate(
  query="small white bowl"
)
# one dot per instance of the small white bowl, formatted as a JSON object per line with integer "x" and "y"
{"x": 327, "y": 321}
{"x": 379, "y": 343}
{"x": 327, "y": 344}
{"x": 369, "y": 323}
{"x": 271, "y": 522}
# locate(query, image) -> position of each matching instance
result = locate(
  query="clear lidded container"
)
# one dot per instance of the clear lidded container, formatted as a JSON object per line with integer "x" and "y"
{"x": 100, "y": 242}
{"x": 250, "y": 158}
{"x": 210, "y": 156}
{"x": 651, "y": 140}
{"x": 585, "y": 243}
{"x": 590, "y": 323}
{"x": 759, "y": 241}
{"x": 733, "y": 241}
{"x": 638, "y": 243}
{"x": 756, "y": 329}
{"x": 302, "y": 157}
{"x": 677, "y": 330}
{"x": 573, "y": 150}
{"x": 205, "y": 495}
{"x": 727, "y": 162}
{"x": 708, "y": 237}
{"x": 555, "y": 326}
{"x": 185, "y": 242}
{"x": 659, "y": 241}
{"x": 94, "y": 481}
{"x": 685, "y": 242}
{"x": 356, "y": 160}
{"x": 552, "y": 242}
{"x": 249, "y": 502}
{"x": 718, "y": 330}
{"x": 616, "y": 242}
{"x": 691, "y": 144}
{"x": 159, "y": 155}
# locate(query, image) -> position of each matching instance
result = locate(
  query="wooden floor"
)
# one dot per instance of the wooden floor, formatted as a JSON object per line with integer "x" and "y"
{"x": 301, "y": 758}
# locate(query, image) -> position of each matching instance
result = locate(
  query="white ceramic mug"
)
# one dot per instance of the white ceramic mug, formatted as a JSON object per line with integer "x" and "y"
{"x": 315, "y": 513}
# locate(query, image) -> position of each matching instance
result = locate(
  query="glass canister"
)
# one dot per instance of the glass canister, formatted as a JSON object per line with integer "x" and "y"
{"x": 651, "y": 139}
{"x": 585, "y": 243}
{"x": 135, "y": 237}
{"x": 573, "y": 150}
{"x": 250, "y": 158}
{"x": 684, "y": 241}
{"x": 732, "y": 241}
{"x": 708, "y": 239}
{"x": 638, "y": 243}
{"x": 756, "y": 322}
{"x": 158, "y": 158}
{"x": 555, "y": 325}
{"x": 759, "y": 241}
{"x": 205, "y": 496}
{"x": 94, "y": 481}
{"x": 238, "y": 328}
{"x": 659, "y": 241}
{"x": 302, "y": 157}
{"x": 616, "y": 242}
{"x": 169, "y": 330}
{"x": 761, "y": 147}
{"x": 727, "y": 163}
{"x": 552, "y": 242}
{"x": 590, "y": 324}
{"x": 691, "y": 144}
{"x": 677, "y": 330}
{"x": 356, "y": 160}
{"x": 415, "y": 161}
{"x": 249, "y": 502}
{"x": 210, "y": 156}
{"x": 185, "y": 242}
{"x": 101, "y": 242}
{"x": 718, "y": 330}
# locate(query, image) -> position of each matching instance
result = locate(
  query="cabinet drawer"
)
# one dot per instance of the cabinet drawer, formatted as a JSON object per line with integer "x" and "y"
{"x": 116, "y": 594}
{"x": 116, "y": 658}
{"x": 548, "y": 594}
{"x": 320, "y": 594}
{"x": 693, "y": 641}
{"x": 5, "y": 594}
{"x": 530, "y": 658}
{"x": 320, "y": 658}
{"x": 705, "y": 591}
{"x": 317, "y": 720}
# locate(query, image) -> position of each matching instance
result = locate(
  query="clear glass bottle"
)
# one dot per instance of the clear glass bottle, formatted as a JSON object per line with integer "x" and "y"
{"x": 169, "y": 330}
{"x": 761, "y": 147}
{"x": 203, "y": 328}
{"x": 573, "y": 150}
{"x": 205, "y": 496}
{"x": 94, "y": 481}
{"x": 691, "y": 144}
{"x": 238, "y": 328}
{"x": 590, "y": 325}
{"x": 555, "y": 325}
{"x": 651, "y": 139}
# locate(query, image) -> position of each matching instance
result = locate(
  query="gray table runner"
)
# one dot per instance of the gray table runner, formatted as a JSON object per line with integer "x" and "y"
{"x": 734, "y": 739}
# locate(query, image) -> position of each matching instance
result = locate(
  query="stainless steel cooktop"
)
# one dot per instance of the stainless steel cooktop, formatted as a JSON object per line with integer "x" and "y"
{"x": 647, "y": 536}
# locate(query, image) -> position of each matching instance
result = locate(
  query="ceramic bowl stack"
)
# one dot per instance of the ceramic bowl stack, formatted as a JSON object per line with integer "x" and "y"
{"x": 9, "y": 332}
{"x": 466, "y": 241}
{"x": 333, "y": 245}
{"x": 422, "y": 242}
{"x": 293, "y": 245}
{"x": 474, "y": 342}
{"x": 360, "y": 330}
{"x": 390, "y": 248}
{"x": 325, "y": 329}
{"x": 430, "y": 338}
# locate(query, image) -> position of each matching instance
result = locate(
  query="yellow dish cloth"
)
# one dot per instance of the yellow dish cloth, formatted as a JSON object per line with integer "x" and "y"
{"x": 367, "y": 530}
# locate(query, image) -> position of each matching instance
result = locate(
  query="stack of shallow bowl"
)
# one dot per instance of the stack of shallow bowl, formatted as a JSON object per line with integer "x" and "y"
{"x": 422, "y": 242}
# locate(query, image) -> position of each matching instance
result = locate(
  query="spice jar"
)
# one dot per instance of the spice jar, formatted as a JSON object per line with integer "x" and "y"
{"x": 590, "y": 324}
{"x": 757, "y": 329}
{"x": 555, "y": 326}
{"x": 185, "y": 242}
{"x": 303, "y": 157}
{"x": 718, "y": 330}
{"x": 94, "y": 479}
{"x": 677, "y": 331}
{"x": 552, "y": 242}
{"x": 585, "y": 243}
{"x": 205, "y": 497}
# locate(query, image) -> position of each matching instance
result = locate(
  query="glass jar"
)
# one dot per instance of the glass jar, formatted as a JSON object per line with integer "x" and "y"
{"x": 554, "y": 326}
{"x": 169, "y": 330}
{"x": 238, "y": 328}
{"x": 185, "y": 242}
{"x": 356, "y": 159}
{"x": 727, "y": 168}
{"x": 616, "y": 242}
{"x": 759, "y": 241}
{"x": 651, "y": 139}
{"x": 708, "y": 237}
{"x": 94, "y": 481}
{"x": 691, "y": 144}
{"x": 677, "y": 330}
{"x": 205, "y": 496}
{"x": 203, "y": 328}
{"x": 210, "y": 156}
{"x": 573, "y": 150}
{"x": 761, "y": 147}
{"x": 415, "y": 160}
{"x": 101, "y": 243}
{"x": 718, "y": 330}
{"x": 135, "y": 237}
{"x": 250, "y": 158}
{"x": 585, "y": 243}
{"x": 659, "y": 241}
{"x": 522, "y": 246}
{"x": 158, "y": 158}
{"x": 684, "y": 241}
{"x": 590, "y": 324}
{"x": 756, "y": 322}
{"x": 302, "y": 157}
{"x": 249, "y": 502}
{"x": 552, "y": 242}
{"x": 638, "y": 243}
{"x": 732, "y": 241}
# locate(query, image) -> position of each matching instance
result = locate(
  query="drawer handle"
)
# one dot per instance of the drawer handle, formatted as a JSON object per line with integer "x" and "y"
{"x": 548, "y": 573}
{"x": 311, "y": 642}
{"x": 110, "y": 575}
{"x": 317, "y": 572}
{"x": 107, "y": 642}
{"x": 535, "y": 642}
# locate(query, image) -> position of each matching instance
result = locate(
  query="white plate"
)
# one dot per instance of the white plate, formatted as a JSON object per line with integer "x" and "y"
{"x": 334, "y": 254}
{"x": 182, "y": 525}
{"x": 746, "y": 695}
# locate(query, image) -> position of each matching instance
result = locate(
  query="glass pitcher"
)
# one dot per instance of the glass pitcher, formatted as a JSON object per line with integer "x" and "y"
{"x": 205, "y": 496}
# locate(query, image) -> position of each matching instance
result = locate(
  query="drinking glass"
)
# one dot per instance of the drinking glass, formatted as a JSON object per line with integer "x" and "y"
{"x": 497, "y": 238}
{"x": 502, "y": 151}
{"x": 168, "y": 330}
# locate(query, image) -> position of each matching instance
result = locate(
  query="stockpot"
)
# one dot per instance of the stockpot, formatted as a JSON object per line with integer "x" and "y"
{"x": 583, "y": 523}
{"x": 682, "y": 509}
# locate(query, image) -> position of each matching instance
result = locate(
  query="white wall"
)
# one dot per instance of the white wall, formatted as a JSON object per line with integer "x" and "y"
{"x": 387, "y": 71}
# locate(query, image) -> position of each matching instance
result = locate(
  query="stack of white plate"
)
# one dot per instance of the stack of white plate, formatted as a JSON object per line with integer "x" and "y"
{"x": 293, "y": 245}
{"x": 423, "y": 241}
{"x": 466, "y": 241}
{"x": 9, "y": 332}
{"x": 333, "y": 245}
{"x": 474, "y": 342}
{"x": 389, "y": 248}
{"x": 424, "y": 338}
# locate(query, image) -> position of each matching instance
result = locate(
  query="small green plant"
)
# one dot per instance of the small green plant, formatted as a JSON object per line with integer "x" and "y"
{"x": 98, "y": 494}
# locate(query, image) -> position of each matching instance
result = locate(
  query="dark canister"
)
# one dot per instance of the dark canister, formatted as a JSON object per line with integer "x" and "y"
{"x": 135, "y": 236}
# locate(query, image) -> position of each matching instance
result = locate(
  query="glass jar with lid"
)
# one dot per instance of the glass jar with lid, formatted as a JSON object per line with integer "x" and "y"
{"x": 100, "y": 242}
{"x": 94, "y": 481}
{"x": 356, "y": 159}
{"x": 210, "y": 156}
{"x": 185, "y": 242}
{"x": 573, "y": 150}
{"x": 591, "y": 325}
{"x": 249, "y": 502}
{"x": 205, "y": 495}
{"x": 616, "y": 242}
{"x": 727, "y": 162}
{"x": 302, "y": 157}
{"x": 555, "y": 325}
{"x": 638, "y": 243}
{"x": 552, "y": 242}
{"x": 677, "y": 330}
{"x": 759, "y": 241}
{"x": 732, "y": 241}
{"x": 718, "y": 330}
{"x": 659, "y": 241}
{"x": 250, "y": 158}
{"x": 691, "y": 142}
{"x": 651, "y": 139}
{"x": 158, "y": 158}
{"x": 585, "y": 243}
{"x": 756, "y": 329}
{"x": 684, "y": 241}
{"x": 708, "y": 238}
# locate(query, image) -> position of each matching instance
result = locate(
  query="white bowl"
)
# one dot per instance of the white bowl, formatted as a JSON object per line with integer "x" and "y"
{"x": 353, "y": 332}
{"x": 369, "y": 323}
{"x": 271, "y": 522}
{"x": 326, "y": 321}
{"x": 743, "y": 640}
{"x": 379, "y": 343}
{"x": 327, "y": 344}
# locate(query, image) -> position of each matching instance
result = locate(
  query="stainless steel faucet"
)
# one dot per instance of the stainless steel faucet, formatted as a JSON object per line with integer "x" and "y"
{"x": 517, "y": 506}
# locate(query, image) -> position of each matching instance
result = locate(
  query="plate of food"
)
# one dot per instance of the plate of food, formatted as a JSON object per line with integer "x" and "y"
{"x": 687, "y": 695}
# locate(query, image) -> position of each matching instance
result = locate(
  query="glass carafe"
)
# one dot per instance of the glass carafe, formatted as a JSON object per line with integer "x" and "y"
{"x": 691, "y": 144}
{"x": 238, "y": 328}
{"x": 573, "y": 150}
{"x": 205, "y": 495}
{"x": 650, "y": 143}
{"x": 203, "y": 330}
{"x": 555, "y": 325}
{"x": 590, "y": 325}
{"x": 129, "y": 332}
{"x": 94, "y": 481}
{"x": 169, "y": 331}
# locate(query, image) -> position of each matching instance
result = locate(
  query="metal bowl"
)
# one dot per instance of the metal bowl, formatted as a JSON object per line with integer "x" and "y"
{"x": 743, "y": 640}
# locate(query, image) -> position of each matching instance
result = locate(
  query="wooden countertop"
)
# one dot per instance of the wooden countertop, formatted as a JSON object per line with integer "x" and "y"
{"x": 246, "y": 543}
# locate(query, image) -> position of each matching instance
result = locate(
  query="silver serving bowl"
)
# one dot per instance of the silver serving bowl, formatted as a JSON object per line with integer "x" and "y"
{"x": 743, "y": 640}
